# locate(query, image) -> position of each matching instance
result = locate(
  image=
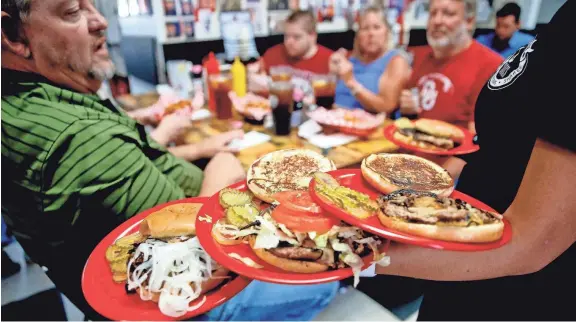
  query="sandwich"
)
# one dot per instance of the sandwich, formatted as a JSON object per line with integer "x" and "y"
{"x": 429, "y": 215}
{"x": 388, "y": 172}
{"x": 285, "y": 170}
{"x": 296, "y": 235}
{"x": 428, "y": 134}
{"x": 167, "y": 264}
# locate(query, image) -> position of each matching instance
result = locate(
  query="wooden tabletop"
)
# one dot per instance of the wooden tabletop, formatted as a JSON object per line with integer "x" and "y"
{"x": 349, "y": 155}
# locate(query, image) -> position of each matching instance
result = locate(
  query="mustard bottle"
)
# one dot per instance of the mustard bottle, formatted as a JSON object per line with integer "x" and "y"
{"x": 239, "y": 77}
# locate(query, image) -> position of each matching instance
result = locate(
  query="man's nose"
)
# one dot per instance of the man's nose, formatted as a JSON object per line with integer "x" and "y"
{"x": 97, "y": 22}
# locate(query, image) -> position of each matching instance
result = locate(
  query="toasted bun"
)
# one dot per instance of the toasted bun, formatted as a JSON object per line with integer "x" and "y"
{"x": 389, "y": 172}
{"x": 289, "y": 265}
{"x": 439, "y": 128}
{"x": 218, "y": 276}
{"x": 264, "y": 176}
{"x": 172, "y": 221}
{"x": 472, "y": 234}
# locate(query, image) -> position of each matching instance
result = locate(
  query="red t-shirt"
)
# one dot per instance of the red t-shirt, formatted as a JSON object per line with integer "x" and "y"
{"x": 449, "y": 87}
{"x": 305, "y": 68}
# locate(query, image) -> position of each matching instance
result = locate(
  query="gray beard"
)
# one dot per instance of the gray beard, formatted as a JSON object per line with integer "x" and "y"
{"x": 450, "y": 40}
{"x": 102, "y": 73}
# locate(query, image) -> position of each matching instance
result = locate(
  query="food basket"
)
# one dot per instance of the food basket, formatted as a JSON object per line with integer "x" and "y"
{"x": 354, "y": 122}
{"x": 251, "y": 106}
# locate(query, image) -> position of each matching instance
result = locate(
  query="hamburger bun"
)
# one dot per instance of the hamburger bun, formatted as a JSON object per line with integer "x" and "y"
{"x": 290, "y": 265}
{"x": 388, "y": 172}
{"x": 218, "y": 276}
{"x": 473, "y": 234}
{"x": 285, "y": 170}
{"x": 440, "y": 129}
{"x": 172, "y": 221}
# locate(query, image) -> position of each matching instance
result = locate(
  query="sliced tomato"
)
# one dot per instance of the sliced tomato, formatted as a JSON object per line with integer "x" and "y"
{"x": 303, "y": 222}
{"x": 297, "y": 201}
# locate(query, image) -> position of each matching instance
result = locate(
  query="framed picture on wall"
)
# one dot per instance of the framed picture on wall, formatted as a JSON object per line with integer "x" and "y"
{"x": 169, "y": 7}
{"x": 189, "y": 29}
{"x": 278, "y": 5}
{"x": 187, "y": 7}
{"x": 173, "y": 30}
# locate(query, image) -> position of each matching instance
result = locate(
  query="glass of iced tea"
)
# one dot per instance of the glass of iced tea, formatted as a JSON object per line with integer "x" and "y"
{"x": 280, "y": 74}
{"x": 324, "y": 87}
{"x": 221, "y": 85}
{"x": 282, "y": 102}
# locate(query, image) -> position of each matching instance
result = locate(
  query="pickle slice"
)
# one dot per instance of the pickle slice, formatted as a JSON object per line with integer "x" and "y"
{"x": 116, "y": 253}
{"x": 129, "y": 241}
{"x": 119, "y": 266}
{"x": 119, "y": 277}
{"x": 351, "y": 201}
{"x": 240, "y": 216}
{"x": 232, "y": 197}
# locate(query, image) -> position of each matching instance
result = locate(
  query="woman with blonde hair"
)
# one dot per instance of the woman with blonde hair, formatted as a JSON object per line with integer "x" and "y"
{"x": 374, "y": 75}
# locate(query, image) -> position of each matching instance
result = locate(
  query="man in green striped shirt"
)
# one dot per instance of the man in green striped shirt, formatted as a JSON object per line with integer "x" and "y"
{"x": 74, "y": 167}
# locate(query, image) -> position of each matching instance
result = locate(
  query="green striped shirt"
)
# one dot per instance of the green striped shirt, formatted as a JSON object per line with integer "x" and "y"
{"x": 74, "y": 167}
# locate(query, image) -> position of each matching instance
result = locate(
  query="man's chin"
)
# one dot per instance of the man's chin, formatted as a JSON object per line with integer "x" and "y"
{"x": 103, "y": 71}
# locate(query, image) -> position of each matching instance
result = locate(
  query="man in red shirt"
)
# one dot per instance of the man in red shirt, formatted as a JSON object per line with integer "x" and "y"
{"x": 450, "y": 72}
{"x": 299, "y": 52}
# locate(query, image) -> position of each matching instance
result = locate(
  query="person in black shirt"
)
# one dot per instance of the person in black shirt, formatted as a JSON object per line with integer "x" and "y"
{"x": 526, "y": 170}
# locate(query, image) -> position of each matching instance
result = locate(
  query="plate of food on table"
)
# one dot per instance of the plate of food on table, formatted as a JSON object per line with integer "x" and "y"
{"x": 355, "y": 122}
{"x": 411, "y": 200}
{"x": 431, "y": 136}
{"x": 268, "y": 228}
{"x": 152, "y": 267}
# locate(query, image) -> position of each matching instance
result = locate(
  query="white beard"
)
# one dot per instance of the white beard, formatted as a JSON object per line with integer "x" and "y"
{"x": 456, "y": 38}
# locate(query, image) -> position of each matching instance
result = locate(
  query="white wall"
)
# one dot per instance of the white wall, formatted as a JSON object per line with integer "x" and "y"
{"x": 140, "y": 26}
{"x": 548, "y": 8}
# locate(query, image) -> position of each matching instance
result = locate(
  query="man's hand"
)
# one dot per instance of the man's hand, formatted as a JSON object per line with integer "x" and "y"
{"x": 223, "y": 170}
{"x": 171, "y": 128}
{"x": 409, "y": 103}
{"x": 218, "y": 143}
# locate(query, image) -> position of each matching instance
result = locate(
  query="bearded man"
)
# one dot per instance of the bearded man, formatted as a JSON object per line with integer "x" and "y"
{"x": 450, "y": 72}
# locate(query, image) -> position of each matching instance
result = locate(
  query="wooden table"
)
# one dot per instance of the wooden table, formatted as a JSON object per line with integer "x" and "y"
{"x": 349, "y": 155}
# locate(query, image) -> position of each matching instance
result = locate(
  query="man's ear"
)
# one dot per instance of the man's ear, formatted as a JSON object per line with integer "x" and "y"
{"x": 12, "y": 39}
{"x": 471, "y": 24}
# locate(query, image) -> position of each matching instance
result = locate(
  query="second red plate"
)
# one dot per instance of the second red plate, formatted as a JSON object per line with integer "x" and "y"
{"x": 212, "y": 212}
{"x": 466, "y": 147}
{"x": 352, "y": 178}
{"x": 111, "y": 300}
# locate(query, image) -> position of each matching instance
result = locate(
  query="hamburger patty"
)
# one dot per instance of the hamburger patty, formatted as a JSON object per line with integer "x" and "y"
{"x": 409, "y": 173}
{"x": 444, "y": 143}
{"x": 427, "y": 208}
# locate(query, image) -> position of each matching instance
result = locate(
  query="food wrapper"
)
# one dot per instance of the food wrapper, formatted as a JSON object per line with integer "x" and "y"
{"x": 252, "y": 106}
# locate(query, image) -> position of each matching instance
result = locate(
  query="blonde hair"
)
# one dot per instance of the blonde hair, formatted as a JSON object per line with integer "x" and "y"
{"x": 356, "y": 51}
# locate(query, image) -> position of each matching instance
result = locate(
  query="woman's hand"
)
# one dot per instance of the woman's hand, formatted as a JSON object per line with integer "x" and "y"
{"x": 341, "y": 66}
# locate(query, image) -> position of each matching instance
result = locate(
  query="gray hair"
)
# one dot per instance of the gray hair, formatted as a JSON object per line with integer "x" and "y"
{"x": 469, "y": 7}
{"x": 17, "y": 9}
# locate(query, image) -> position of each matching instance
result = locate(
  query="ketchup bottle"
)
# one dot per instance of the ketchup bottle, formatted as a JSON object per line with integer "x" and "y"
{"x": 212, "y": 67}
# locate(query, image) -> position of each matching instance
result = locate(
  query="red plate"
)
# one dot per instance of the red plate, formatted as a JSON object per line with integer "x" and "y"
{"x": 352, "y": 178}
{"x": 110, "y": 299}
{"x": 467, "y": 146}
{"x": 267, "y": 273}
